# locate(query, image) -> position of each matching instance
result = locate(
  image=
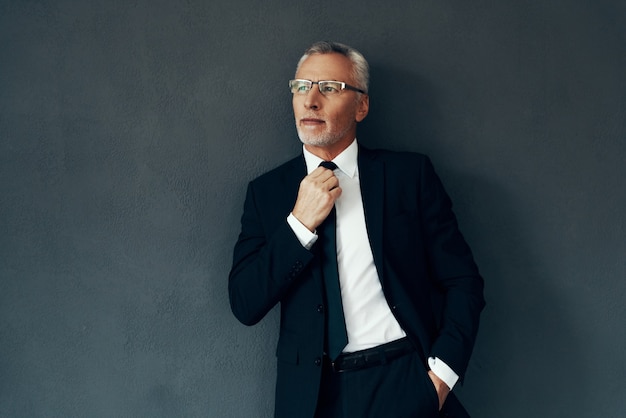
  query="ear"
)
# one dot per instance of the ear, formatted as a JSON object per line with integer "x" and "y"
{"x": 363, "y": 107}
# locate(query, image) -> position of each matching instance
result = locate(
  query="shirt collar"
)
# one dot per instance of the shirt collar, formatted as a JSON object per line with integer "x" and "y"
{"x": 346, "y": 161}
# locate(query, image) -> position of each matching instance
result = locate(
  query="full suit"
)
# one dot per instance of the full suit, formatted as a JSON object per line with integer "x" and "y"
{"x": 426, "y": 269}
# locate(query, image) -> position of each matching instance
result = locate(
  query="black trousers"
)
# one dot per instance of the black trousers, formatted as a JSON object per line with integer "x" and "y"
{"x": 398, "y": 389}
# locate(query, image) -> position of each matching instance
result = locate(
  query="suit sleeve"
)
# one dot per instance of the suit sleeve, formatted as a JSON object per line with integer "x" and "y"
{"x": 452, "y": 265}
{"x": 268, "y": 259}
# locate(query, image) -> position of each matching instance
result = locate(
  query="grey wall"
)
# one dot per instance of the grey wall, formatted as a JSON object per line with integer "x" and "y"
{"x": 128, "y": 132}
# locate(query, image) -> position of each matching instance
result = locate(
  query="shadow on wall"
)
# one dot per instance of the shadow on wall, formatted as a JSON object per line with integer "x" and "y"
{"x": 526, "y": 336}
{"x": 403, "y": 111}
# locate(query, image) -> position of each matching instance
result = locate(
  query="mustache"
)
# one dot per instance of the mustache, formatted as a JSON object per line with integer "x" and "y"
{"x": 311, "y": 116}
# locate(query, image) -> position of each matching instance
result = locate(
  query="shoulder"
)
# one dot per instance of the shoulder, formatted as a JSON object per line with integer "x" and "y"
{"x": 394, "y": 158}
{"x": 286, "y": 173}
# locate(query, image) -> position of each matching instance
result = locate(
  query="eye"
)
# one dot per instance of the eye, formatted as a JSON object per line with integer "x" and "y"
{"x": 331, "y": 87}
{"x": 299, "y": 86}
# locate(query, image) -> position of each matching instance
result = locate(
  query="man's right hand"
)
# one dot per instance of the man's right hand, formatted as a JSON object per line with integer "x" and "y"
{"x": 316, "y": 197}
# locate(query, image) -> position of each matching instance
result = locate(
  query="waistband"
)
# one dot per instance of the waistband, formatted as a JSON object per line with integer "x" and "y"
{"x": 371, "y": 357}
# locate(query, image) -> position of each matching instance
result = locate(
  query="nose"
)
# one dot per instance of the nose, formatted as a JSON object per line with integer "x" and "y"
{"x": 313, "y": 98}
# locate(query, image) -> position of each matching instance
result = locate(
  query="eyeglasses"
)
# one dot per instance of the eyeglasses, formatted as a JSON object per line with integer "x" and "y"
{"x": 327, "y": 88}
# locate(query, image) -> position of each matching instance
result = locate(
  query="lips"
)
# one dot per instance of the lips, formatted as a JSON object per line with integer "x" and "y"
{"x": 311, "y": 121}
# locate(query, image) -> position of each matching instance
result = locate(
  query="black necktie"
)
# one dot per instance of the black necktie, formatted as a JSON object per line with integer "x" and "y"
{"x": 337, "y": 336}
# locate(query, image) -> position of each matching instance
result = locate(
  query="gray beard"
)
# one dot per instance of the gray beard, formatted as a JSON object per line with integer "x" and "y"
{"x": 321, "y": 140}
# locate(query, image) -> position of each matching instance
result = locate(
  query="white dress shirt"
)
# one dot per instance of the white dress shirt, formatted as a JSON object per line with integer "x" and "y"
{"x": 369, "y": 321}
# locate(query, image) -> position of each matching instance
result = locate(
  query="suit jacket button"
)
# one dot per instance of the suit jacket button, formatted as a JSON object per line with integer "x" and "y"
{"x": 318, "y": 361}
{"x": 320, "y": 308}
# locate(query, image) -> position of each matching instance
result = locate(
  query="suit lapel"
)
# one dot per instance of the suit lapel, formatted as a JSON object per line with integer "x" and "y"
{"x": 372, "y": 180}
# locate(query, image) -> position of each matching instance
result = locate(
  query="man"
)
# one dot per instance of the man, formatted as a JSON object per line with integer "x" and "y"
{"x": 383, "y": 326}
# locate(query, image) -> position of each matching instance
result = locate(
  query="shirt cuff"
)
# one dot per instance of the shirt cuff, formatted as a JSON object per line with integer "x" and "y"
{"x": 306, "y": 237}
{"x": 443, "y": 371}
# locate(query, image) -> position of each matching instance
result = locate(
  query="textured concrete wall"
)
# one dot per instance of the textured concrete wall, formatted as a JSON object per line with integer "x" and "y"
{"x": 128, "y": 132}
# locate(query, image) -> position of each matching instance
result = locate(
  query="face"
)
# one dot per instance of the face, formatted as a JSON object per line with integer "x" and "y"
{"x": 328, "y": 121}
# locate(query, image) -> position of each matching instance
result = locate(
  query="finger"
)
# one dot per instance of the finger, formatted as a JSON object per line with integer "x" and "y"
{"x": 325, "y": 178}
{"x": 335, "y": 193}
{"x": 320, "y": 171}
{"x": 331, "y": 183}
{"x": 321, "y": 176}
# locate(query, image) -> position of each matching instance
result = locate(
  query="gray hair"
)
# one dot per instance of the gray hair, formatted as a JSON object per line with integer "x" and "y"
{"x": 360, "y": 67}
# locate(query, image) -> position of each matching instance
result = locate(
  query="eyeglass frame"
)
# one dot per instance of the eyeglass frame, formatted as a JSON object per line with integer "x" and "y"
{"x": 344, "y": 86}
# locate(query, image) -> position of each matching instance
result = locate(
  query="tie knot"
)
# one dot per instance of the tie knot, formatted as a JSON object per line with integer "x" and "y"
{"x": 328, "y": 164}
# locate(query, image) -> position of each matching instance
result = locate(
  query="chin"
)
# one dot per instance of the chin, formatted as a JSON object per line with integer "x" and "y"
{"x": 322, "y": 140}
{"x": 317, "y": 141}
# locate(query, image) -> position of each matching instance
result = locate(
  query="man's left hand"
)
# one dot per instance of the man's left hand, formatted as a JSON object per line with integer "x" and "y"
{"x": 440, "y": 386}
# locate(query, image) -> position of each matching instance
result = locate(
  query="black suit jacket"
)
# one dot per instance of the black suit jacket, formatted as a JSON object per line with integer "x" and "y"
{"x": 426, "y": 269}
